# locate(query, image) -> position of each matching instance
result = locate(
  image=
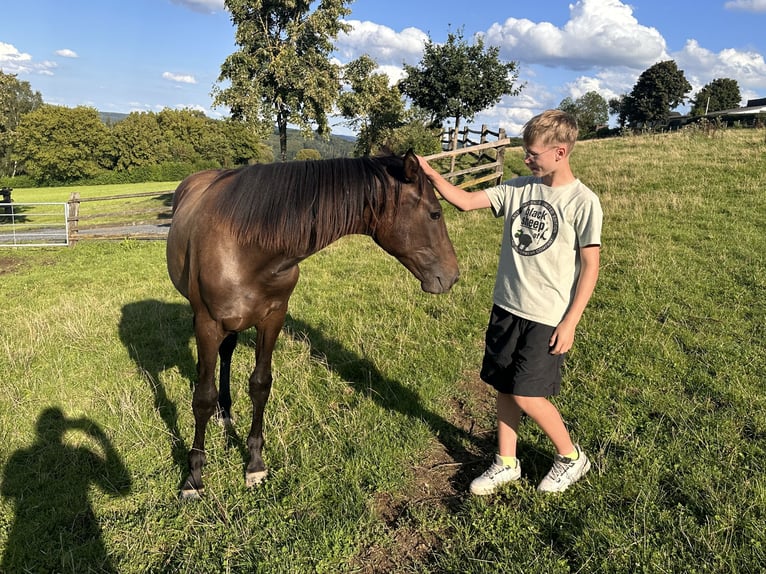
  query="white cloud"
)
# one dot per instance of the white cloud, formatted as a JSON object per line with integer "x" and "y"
{"x": 599, "y": 33}
{"x": 382, "y": 43}
{"x": 204, "y": 6}
{"x": 67, "y": 53}
{"x": 14, "y": 62}
{"x": 746, "y": 5}
{"x": 180, "y": 78}
{"x": 701, "y": 66}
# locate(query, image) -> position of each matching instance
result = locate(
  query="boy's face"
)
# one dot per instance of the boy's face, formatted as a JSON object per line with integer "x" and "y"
{"x": 542, "y": 158}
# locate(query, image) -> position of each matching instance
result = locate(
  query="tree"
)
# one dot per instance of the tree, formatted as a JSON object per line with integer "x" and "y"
{"x": 282, "y": 70}
{"x": 659, "y": 89}
{"x": 60, "y": 145}
{"x": 456, "y": 80}
{"x": 590, "y": 110}
{"x": 720, "y": 94}
{"x": 16, "y": 100}
{"x": 139, "y": 142}
{"x": 370, "y": 105}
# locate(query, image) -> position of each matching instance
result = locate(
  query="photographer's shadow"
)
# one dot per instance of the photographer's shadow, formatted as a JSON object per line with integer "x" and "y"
{"x": 55, "y": 528}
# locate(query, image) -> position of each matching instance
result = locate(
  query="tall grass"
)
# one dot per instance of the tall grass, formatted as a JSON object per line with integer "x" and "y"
{"x": 377, "y": 421}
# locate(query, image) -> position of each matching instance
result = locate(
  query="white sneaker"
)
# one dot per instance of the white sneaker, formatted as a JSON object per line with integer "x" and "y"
{"x": 494, "y": 477}
{"x": 564, "y": 472}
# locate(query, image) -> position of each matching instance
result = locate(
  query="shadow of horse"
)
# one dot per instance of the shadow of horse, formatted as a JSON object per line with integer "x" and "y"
{"x": 156, "y": 335}
{"x": 460, "y": 445}
{"x": 166, "y": 345}
{"x": 55, "y": 528}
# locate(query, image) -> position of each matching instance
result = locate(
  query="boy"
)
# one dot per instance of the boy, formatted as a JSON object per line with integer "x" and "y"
{"x": 549, "y": 263}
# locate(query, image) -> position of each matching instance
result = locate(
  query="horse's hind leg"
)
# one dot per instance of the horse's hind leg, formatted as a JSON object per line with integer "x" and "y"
{"x": 225, "y": 353}
{"x": 209, "y": 338}
{"x": 259, "y": 390}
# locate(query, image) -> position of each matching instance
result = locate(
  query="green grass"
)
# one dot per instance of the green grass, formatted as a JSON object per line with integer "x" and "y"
{"x": 377, "y": 423}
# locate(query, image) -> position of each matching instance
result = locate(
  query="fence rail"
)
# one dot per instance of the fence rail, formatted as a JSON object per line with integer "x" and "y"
{"x": 34, "y": 225}
{"x": 115, "y": 218}
{"x": 472, "y": 162}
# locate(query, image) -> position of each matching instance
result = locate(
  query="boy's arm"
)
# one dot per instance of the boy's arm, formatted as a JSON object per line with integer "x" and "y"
{"x": 563, "y": 336}
{"x": 463, "y": 200}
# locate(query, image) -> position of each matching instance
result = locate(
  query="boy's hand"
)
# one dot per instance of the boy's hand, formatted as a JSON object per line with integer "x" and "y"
{"x": 562, "y": 339}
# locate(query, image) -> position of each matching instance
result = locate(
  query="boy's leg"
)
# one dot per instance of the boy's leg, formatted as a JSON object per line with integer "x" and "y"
{"x": 548, "y": 418}
{"x": 570, "y": 464}
{"x": 508, "y": 417}
{"x": 502, "y": 471}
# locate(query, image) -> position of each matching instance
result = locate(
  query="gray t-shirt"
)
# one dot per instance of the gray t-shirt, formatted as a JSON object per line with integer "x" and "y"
{"x": 539, "y": 255}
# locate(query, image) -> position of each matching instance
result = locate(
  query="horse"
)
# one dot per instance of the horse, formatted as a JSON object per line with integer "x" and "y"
{"x": 235, "y": 243}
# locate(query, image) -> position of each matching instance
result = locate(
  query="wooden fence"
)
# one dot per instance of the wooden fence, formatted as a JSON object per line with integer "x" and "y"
{"x": 115, "y": 219}
{"x": 467, "y": 161}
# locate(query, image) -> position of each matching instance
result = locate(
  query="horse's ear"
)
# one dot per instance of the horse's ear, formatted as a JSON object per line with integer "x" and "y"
{"x": 411, "y": 166}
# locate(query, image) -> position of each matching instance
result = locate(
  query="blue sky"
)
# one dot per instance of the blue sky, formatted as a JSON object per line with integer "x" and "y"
{"x": 146, "y": 55}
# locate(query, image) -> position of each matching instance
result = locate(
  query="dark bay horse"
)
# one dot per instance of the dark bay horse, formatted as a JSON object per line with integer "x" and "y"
{"x": 234, "y": 247}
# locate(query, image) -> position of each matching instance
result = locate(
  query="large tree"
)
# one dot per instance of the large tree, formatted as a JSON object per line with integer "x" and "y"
{"x": 720, "y": 94}
{"x": 370, "y": 105}
{"x": 659, "y": 89}
{"x": 591, "y": 111}
{"x": 456, "y": 80}
{"x": 16, "y": 100}
{"x": 282, "y": 71}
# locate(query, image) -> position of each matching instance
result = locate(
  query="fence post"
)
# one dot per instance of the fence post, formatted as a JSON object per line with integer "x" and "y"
{"x": 73, "y": 217}
{"x": 500, "y": 157}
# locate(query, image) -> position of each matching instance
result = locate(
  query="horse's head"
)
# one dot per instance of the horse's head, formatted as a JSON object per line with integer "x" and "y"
{"x": 414, "y": 230}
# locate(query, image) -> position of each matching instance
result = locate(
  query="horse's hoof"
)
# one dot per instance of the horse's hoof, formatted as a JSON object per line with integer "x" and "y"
{"x": 191, "y": 493}
{"x": 255, "y": 478}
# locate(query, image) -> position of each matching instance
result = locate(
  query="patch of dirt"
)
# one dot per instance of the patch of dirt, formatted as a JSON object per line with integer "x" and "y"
{"x": 9, "y": 265}
{"x": 441, "y": 484}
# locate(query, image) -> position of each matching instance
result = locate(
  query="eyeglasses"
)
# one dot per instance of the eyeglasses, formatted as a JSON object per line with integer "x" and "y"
{"x": 534, "y": 155}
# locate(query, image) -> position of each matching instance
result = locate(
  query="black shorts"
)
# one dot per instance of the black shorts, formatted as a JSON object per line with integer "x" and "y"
{"x": 517, "y": 358}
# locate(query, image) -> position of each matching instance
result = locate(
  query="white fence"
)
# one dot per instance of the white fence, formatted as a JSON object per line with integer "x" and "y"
{"x": 33, "y": 225}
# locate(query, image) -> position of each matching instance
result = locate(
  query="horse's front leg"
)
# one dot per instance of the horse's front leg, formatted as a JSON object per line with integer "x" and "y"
{"x": 259, "y": 390}
{"x": 209, "y": 338}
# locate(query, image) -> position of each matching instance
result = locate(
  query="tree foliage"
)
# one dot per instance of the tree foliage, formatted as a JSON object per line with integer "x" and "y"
{"x": 16, "y": 100}
{"x": 456, "y": 80}
{"x": 370, "y": 105}
{"x": 659, "y": 89}
{"x": 62, "y": 144}
{"x": 591, "y": 111}
{"x": 720, "y": 94}
{"x": 282, "y": 71}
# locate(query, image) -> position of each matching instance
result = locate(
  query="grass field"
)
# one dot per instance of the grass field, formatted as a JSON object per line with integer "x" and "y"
{"x": 377, "y": 421}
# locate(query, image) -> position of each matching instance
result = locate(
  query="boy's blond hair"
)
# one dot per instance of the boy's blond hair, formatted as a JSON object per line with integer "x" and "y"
{"x": 551, "y": 127}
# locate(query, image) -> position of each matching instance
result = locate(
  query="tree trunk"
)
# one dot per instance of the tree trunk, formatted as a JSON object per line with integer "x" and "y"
{"x": 282, "y": 127}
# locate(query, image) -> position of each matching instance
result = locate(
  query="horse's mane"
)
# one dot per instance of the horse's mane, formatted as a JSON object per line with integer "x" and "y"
{"x": 300, "y": 207}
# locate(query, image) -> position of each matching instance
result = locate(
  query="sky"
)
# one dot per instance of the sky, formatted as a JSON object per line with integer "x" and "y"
{"x": 147, "y": 55}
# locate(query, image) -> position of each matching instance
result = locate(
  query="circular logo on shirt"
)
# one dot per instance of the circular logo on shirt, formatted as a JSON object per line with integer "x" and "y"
{"x": 534, "y": 227}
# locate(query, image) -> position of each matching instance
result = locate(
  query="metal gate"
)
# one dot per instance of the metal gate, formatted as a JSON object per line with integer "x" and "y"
{"x": 34, "y": 225}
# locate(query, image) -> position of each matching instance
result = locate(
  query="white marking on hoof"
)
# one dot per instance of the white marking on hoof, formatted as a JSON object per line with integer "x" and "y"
{"x": 255, "y": 478}
{"x": 191, "y": 494}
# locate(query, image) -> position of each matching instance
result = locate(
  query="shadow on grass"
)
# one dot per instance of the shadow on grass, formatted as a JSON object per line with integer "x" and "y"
{"x": 157, "y": 334}
{"x": 55, "y": 528}
{"x": 460, "y": 445}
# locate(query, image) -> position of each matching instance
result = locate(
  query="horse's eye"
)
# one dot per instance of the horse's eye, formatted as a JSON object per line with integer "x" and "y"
{"x": 436, "y": 215}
